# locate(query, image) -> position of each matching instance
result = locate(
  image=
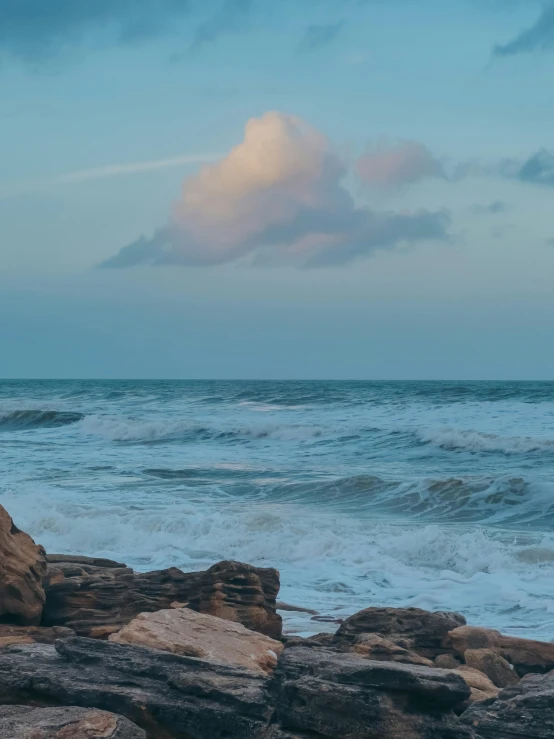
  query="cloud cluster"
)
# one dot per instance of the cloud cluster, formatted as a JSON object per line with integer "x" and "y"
{"x": 390, "y": 166}
{"x": 319, "y": 36}
{"x": 276, "y": 197}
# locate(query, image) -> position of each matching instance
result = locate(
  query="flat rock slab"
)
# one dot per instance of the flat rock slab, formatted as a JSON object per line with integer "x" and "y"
{"x": 185, "y": 632}
{"x": 26, "y": 722}
{"x": 32, "y": 634}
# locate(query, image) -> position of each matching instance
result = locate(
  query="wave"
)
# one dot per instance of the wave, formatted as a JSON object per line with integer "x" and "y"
{"x": 452, "y": 439}
{"x": 35, "y": 419}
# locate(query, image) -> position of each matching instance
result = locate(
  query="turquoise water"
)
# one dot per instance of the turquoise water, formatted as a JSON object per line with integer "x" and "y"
{"x": 437, "y": 495}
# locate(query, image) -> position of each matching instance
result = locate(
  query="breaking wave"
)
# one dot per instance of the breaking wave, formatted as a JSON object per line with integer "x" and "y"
{"x": 476, "y": 441}
{"x": 36, "y": 419}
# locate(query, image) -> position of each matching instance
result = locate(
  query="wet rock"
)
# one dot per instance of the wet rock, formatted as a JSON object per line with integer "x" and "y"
{"x": 523, "y": 711}
{"x": 22, "y": 568}
{"x": 295, "y": 609}
{"x": 31, "y": 634}
{"x": 526, "y": 655}
{"x": 194, "y": 634}
{"x": 421, "y": 631}
{"x": 25, "y": 722}
{"x": 324, "y": 694}
{"x": 493, "y": 665}
{"x": 241, "y": 593}
{"x": 97, "y": 597}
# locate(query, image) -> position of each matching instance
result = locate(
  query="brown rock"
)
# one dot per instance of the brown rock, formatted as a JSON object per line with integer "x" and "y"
{"x": 526, "y": 655}
{"x": 480, "y": 685}
{"x": 421, "y": 631}
{"x": 96, "y": 597}
{"x": 182, "y": 631}
{"x": 26, "y": 722}
{"x": 31, "y": 634}
{"x": 373, "y": 646}
{"x": 493, "y": 665}
{"x": 447, "y": 662}
{"x": 22, "y": 567}
{"x": 241, "y": 593}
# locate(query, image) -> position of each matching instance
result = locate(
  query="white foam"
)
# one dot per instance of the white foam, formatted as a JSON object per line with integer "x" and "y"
{"x": 478, "y": 441}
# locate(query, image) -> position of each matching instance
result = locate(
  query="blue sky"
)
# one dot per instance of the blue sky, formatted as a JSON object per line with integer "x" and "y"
{"x": 357, "y": 189}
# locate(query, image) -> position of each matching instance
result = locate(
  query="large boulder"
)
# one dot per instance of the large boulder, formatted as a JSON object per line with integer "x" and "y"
{"x": 182, "y": 631}
{"x": 523, "y": 711}
{"x": 26, "y": 722}
{"x": 242, "y": 593}
{"x": 22, "y": 568}
{"x": 481, "y": 687}
{"x": 323, "y": 695}
{"x": 97, "y": 597}
{"x": 493, "y": 665}
{"x": 373, "y": 646}
{"x": 526, "y": 655}
{"x": 424, "y": 632}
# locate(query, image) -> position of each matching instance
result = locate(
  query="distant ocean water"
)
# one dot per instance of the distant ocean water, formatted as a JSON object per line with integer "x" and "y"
{"x": 438, "y": 495}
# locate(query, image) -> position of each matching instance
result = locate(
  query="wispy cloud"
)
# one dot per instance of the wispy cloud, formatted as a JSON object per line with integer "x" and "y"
{"x": 276, "y": 197}
{"x": 109, "y": 170}
{"x": 227, "y": 18}
{"x": 494, "y": 208}
{"x": 538, "y": 37}
{"x": 318, "y": 36}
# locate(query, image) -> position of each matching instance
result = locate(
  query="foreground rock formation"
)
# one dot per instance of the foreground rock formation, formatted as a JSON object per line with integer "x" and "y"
{"x": 22, "y": 568}
{"x": 90, "y": 649}
{"x": 182, "y": 631}
{"x": 25, "y": 722}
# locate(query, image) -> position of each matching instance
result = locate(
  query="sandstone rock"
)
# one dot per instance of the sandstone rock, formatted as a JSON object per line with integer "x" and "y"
{"x": 493, "y": 665}
{"x": 31, "y": 634}
{"x": 193, "y": 634}
{"x": 242, "y": 593}
{"x": 372, "y": 646}
{"x": 313, "y": 693}
{"x": 22, "y": 568}
{"x": 324, "y": 694}
{"x": 480, "y": 685}
{"x": 25, "y": 722}
{"x": 447, "y": 662}
{"x": 96, "y": 597}
{"x": 421, "y": 631}
{"x": 523, "y": 711}
{"x": 526, "y": 655}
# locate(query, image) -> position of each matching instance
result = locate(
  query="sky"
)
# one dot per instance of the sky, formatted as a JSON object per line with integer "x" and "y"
{"x": 303, "y": 189}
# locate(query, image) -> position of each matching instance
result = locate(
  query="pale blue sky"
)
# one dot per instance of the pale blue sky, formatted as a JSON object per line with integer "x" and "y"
{"x": 465, "y": 291}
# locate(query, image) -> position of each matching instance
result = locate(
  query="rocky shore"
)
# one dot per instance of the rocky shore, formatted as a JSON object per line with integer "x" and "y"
{"x": 90, "y": 649}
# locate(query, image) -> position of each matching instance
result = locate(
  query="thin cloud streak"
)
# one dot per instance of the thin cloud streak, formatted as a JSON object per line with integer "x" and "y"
{"x": 109, "y": 170}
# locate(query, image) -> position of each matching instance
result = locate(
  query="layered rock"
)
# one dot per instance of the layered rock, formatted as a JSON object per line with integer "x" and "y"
{"x": 22, "y": 568}
{"x": 523, "y": 711}
{"x": 96, "y": 597}
{"x": 31, "y": 634}
{"x": 372, "y": 646}
{"x": 194, "y": 634}
{"x": 241, "y": 593}
{"x": 25, "y": 722}
{"x": 313, "y": 692}
{"x": 526, "y": 655}
{"x": 424, "y": 632}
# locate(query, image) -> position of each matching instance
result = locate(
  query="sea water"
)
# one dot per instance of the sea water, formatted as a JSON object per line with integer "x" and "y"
{"x": 438, "y": 495}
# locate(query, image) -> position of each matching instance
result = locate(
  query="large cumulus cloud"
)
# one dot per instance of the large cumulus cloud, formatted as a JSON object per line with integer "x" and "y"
{"x": 276, "y": 197}
{"x": 394, "y": 165}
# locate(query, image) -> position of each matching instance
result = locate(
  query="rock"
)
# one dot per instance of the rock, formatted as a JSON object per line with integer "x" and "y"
{"x": 421, "y": 631}
{"x": 169, "y": 696}
{"x": 447, "y": 662}
{"x": 31, "y": 634}
{"x": 242, "y": 593}
{"x": 96, "y": 597}
{"x": 372, "y": 646}
{"x": 324, "y": 694}
{"x": 480, "y": 685}
{"x": 295, "y": 609}
{"x": 22, "y": 568}
{"x": 526, "y": 655}
{"x": 193, "y": 634}
{"x": 523, "y": 711}
{"x": 26, "y": 722}
{"x": 316, "y": 693}
{"x": 493, "y": 665}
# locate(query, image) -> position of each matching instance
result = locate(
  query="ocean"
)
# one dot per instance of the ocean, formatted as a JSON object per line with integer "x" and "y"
{"x": 438, "y": 495}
